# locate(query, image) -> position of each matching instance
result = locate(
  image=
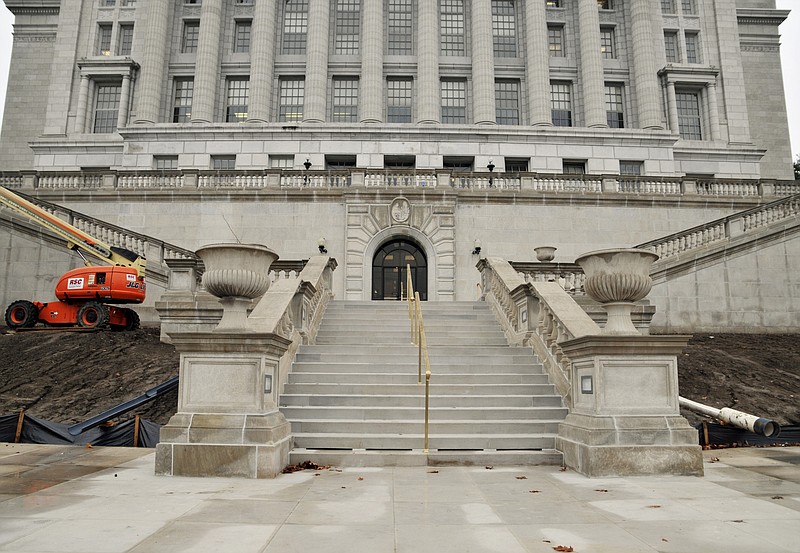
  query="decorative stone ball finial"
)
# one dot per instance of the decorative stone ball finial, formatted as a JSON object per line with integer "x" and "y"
{"x": 236, "y": 274}
{"x": 618, "y": 278}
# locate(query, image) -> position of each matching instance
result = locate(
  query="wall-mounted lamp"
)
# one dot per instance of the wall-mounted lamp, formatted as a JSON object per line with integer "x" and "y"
{"x": 477, "y": 247}
{"x": 490, "y": 167}
{"x": 321, "y": 244}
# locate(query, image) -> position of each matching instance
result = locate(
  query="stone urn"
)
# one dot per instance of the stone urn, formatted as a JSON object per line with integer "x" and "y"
{"x": 545, "y": 253}
{"x": 236, "y": 274}
{"x": 618, "y": 278}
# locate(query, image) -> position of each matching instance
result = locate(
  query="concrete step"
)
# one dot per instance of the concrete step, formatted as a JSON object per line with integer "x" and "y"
{"x": 411, "y": 368}
{"x": 419, "y": 458}
{"x": 406, "y": 350}
{"x": 342, "y": 440}
{"x": 408, "y": 389}
{"x": 435, "y": 357}
{"x": 549, "y": 408}
{"x": 418, "y": 400}
{"x": 417, "y": 427}
{"x": 412, "y": 378}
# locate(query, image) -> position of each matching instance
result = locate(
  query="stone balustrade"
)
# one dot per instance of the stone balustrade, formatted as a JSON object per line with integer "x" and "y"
{"x": 397, "y": 179}
{"x": 568, "y": 275}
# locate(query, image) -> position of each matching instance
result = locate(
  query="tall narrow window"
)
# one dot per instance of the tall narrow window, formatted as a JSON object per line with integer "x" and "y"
{"x": 630, "y": 168}
{"x": 668, "y": 6}
{"x": 241, "y": 37}
{"x": 504, "y": 29}
{"x": 400, "y": 28}
{"x": 191, "y": 31}
{"x": 182, "y": 104}
{"x": 345, "y": 100}
{"x": 671, "y": 46}
{"x": 347, "y": 27}
{"x": 292, "y": 96}
{"x": 398, "y": 100}
{"x": 605, "y": 4}
{"x": 607, "y": 43}
{"x": 454, "y": 101}
{"x": 561, "y": 104}
{"x": 237, "y": 99}
{"x": 555, "y": 38}
{"x": 125, "y": 44}
{"x": 688, "y": 7}
{"x": 223, "y": 163}
{"x": 689, "y": 123}
{"x": 452, "y": 28}
{"x": 552, "y": 3}
{"x": 507, "y": 102}
{"x": 104, "y": 40}
{"x": 295, "y": 27}
{"x": 615, "y": 112}
{"x": 692, "y": 49}
{"x": 106, "y": 108}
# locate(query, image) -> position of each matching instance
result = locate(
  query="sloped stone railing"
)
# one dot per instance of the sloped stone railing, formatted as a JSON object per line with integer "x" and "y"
{"x": 724, "y": 229}
{"x": 266, "y": 179}
{"x": 539, "y": 315}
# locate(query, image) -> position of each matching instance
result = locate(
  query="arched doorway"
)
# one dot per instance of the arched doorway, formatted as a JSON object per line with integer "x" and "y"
{"x": 389, "y": 270}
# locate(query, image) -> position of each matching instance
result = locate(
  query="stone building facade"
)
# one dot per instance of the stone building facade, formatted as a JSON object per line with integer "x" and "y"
{"x": 373, "y": 123}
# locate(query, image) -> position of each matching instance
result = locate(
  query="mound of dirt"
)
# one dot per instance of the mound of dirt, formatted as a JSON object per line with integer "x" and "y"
{"x": 70, "y": 376}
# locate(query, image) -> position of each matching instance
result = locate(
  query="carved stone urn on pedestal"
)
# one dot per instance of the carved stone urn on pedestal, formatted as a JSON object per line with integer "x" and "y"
{"x": 236, "y": 274}
{"x": 618, "y": 278}
{"x": 545, "y": 253}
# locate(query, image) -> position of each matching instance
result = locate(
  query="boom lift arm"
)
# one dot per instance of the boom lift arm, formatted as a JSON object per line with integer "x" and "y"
{"x": 76, "y": 239}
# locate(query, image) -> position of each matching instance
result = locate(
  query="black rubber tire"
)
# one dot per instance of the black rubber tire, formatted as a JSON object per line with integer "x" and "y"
{"x": 132, "y": 319}
{"x": 93, "y": 315}
{"x": 22, "y": 314}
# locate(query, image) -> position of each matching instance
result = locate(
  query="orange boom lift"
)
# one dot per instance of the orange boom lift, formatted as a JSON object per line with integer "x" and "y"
{"x": 83, "y": 294}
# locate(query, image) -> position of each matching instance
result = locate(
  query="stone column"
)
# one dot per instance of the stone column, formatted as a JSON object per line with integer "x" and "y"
{"x": 713, "y": 111}
{"x": 591, "y": 64}
{"x": 372, "y": 62}
{"x": 83, "y": 101}
{"x": 538, "y": 63}
{"x": 316, "y": 92}
{"x": 124, "y": 102}
{"x": 429, "y": 104}
{"x": 262, "y": 60}
{"x": 154, "y": 62}
{"x": 672, "y": 108}
{"x": 483, "y": 63}
{"x": 207, "y": 72}
{"x": 644, "y": 67}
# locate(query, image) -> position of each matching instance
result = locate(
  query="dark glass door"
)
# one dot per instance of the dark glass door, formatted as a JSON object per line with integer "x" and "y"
{"x": 389, "y": 270}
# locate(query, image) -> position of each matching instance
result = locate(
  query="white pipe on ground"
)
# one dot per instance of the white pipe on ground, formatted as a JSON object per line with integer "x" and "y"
{"x": 759, "y": 425}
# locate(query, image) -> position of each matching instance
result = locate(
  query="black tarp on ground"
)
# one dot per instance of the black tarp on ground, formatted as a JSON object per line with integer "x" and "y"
{"x": 40, "y": 431}
{"x": 721, "y": 434}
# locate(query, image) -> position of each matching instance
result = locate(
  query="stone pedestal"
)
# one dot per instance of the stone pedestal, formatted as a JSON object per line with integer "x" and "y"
{"x": 625, "y": 418}
{"x": 228, "y": 423}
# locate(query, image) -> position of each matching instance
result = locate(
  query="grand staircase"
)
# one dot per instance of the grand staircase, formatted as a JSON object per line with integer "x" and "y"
{"x": 353, "y": 398}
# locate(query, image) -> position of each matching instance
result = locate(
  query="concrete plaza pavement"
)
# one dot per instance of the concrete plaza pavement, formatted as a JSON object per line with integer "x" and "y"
{"x": 72, "y": 499}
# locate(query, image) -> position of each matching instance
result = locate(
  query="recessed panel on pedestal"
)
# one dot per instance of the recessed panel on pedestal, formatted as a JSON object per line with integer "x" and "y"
{"x": 232, "y": 387}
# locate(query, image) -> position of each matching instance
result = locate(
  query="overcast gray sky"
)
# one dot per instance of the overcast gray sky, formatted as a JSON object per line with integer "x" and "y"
{"x": 790, "y": 55}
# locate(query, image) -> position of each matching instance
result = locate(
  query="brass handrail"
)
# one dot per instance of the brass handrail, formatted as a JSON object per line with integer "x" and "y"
{"x": 419, "y": 339}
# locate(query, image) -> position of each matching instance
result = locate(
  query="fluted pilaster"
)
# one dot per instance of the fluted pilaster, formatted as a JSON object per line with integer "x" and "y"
{"x": 83, "y": 100}
{"x": 672, "y": 108}
{"x": 207, "y": 71}
{"x": 591, "y": 64}
{"x": 316, "y": 92}
{"x": 151, "y": 85}
{"x": 645, "y": 78}
{"x": 372, "y": 63}
{"x": 483, "y": 63}
{"x": 538, "y": 63}
{"x": 429, "y": 105}
{"x": 262, "y": 60}
{"x": 713, "y": 111}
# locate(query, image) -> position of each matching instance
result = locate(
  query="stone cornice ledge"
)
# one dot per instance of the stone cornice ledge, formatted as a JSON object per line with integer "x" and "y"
{"x": 761, "y": 16}
{"x": 654, "y": 344}
{"x": 33, "y": 7}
